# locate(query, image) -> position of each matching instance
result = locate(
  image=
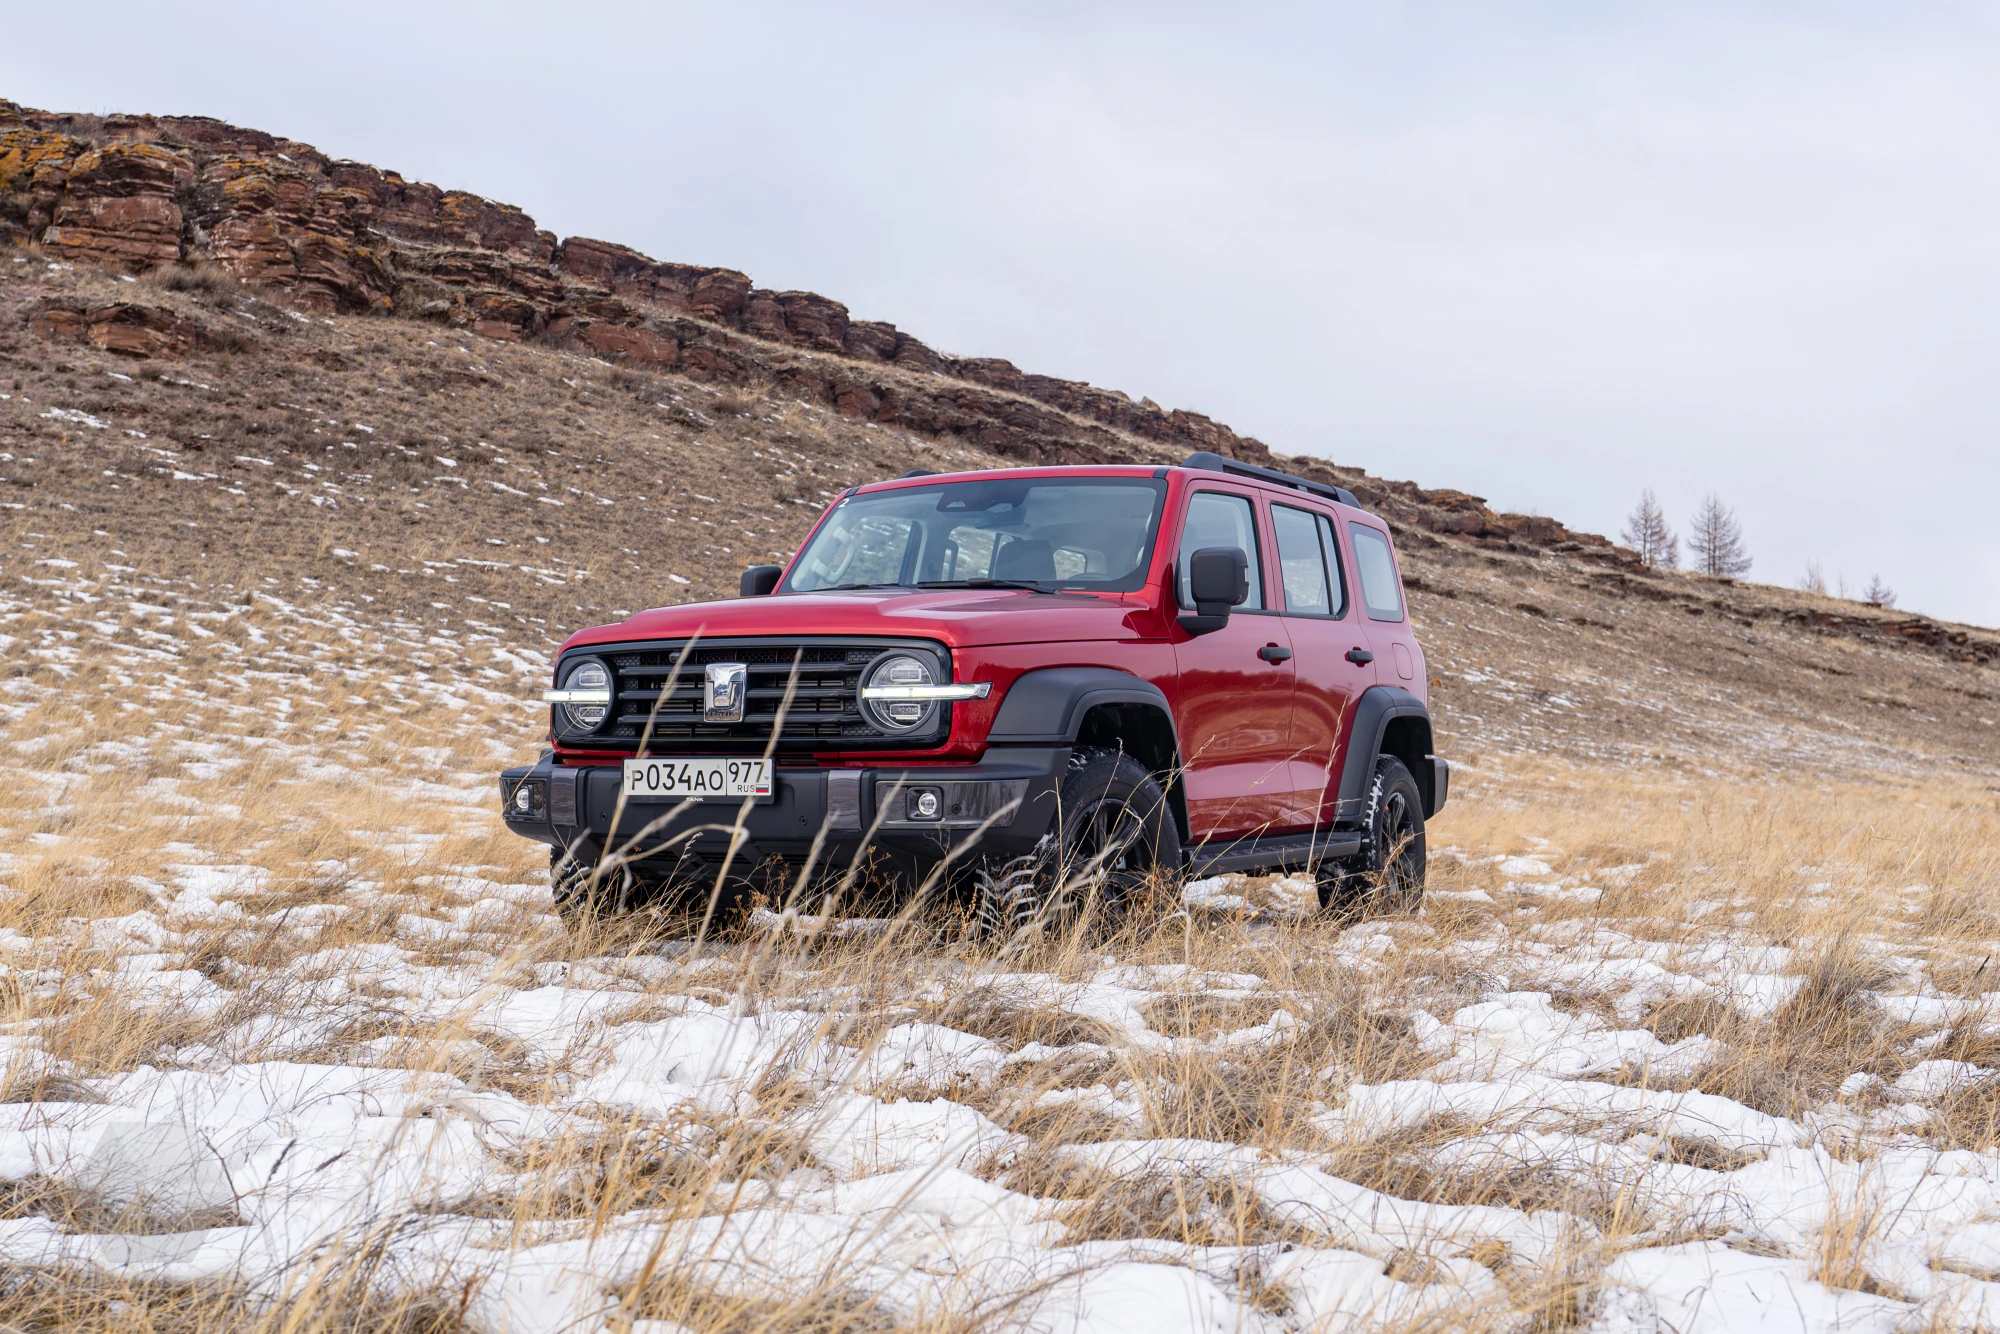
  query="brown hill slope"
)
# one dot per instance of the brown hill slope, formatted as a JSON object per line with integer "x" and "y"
{"x": 231, "y": 364}
{"x": 136, "y": 192}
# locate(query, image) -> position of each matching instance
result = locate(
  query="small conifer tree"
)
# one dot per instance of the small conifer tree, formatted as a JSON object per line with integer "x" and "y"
{"x": 1646, "y": 532}
{"x": 1715, "y": 539}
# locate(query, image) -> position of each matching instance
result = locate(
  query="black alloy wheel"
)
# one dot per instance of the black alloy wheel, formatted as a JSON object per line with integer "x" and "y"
{"x": 1388, "y": 874}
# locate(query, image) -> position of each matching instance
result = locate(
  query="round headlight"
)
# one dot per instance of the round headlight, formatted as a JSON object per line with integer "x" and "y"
{"x": 586, "y": 675}
{"x": 900, "y": 715}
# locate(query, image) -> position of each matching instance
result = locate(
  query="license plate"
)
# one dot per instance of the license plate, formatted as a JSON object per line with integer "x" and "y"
{"x": 719, "y": 780}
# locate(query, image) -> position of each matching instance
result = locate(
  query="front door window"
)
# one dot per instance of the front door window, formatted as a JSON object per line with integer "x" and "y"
{"x": 1221, "y": 519}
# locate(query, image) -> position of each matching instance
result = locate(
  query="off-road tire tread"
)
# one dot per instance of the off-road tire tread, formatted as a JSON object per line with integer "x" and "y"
{"x": 577, "y": 902}
{"x": 1012, "y": 893}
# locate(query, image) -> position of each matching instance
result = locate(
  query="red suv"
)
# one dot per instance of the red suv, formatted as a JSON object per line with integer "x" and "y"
{"x": 1062, "y": 681}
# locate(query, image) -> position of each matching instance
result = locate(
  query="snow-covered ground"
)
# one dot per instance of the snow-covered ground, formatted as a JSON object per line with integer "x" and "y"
{"x": 286, "y": 1018}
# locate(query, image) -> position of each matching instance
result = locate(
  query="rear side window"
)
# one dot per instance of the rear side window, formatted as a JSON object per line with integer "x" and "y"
{"x": 1380, "y": 592}
{"x": 1308, "y": 591}
{"x": 1219, "y": 519}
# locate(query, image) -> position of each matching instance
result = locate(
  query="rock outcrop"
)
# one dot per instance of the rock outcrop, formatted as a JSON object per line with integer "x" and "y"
{"x": 136, "y": 192}
{"x": 130, "y": 328}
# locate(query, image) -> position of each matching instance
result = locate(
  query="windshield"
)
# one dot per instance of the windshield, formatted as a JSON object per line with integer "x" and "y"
{"x": 1088, "y": 533}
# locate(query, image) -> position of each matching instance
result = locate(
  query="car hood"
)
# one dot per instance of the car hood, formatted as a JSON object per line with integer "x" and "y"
{"x": 959, "y": 617}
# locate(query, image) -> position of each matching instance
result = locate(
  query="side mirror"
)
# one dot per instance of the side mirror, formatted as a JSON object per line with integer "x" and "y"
{"x": 759, "y": 580}
{"x": 1218, "y": 579}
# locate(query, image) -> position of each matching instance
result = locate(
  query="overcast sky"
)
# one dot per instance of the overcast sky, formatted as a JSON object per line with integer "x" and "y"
{"x": 1548, "y": 253}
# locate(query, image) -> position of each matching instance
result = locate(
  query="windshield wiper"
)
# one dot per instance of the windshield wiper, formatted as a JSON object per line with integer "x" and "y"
{"x": 848, "y": 588}
{"x": 984, "y": 583}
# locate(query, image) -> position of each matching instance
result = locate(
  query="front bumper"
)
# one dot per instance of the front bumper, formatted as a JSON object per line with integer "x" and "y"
{"x": 1004, "y": 804}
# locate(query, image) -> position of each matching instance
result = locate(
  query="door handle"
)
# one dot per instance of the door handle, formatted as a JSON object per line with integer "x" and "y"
{"x": 1360, "y": 657}
{"x": 1273, "y": 653}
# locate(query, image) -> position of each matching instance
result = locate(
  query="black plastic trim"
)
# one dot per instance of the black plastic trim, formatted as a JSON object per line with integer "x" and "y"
{"x": 1271, "y": 852}
{"x": 1047, "y": 705}
{"x": 562, "y": 796}
{"x": 1379, "y": 705}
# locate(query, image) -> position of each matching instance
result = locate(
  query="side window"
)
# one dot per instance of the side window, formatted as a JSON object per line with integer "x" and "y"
{"x": 1380, "y": 592}
{"x": 1301, "y": 561}
{"x": 1331, "y": 545}
{"x": 1219, "y": 519}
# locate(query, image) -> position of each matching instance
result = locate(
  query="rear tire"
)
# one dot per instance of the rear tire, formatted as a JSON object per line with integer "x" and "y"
{"x": 1114, "y": 832}
{"x": 1388, "y": 874}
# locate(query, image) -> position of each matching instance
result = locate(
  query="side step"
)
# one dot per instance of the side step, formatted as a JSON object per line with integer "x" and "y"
{"x": 1271, "y": 853}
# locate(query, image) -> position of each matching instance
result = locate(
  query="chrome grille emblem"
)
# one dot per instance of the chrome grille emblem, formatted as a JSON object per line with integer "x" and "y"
{"x": 723, "y": 691}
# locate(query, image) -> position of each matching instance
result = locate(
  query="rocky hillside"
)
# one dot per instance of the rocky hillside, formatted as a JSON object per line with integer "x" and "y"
{"x": 238, "y": 365}
{"x": 137, "y": 192}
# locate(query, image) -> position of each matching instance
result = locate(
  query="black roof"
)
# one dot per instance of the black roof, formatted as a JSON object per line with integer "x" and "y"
{"x": 1210, "y": 462}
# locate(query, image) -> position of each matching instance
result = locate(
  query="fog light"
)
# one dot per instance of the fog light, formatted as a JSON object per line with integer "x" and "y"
{"x": 528, "y": 801}
{"x": 926, "y": 804}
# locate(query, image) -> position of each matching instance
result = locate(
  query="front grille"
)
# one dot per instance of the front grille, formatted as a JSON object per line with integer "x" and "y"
{"x": 661, "y": 684}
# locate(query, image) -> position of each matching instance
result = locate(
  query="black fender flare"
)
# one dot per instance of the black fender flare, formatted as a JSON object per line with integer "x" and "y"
{"x": 1379, "y": 706}
{"x": 1047, "y": 706}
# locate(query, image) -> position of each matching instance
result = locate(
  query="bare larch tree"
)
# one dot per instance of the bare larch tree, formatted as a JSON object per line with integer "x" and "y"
{"x": 1646, "y": 532}
{"x": 1878, "y": 592}
{"x": 1715, "y": 539}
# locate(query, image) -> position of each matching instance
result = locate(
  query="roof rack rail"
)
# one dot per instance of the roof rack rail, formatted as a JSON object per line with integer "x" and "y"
{"x": 1211, "y": 462}
{"x": 916, "y": 472}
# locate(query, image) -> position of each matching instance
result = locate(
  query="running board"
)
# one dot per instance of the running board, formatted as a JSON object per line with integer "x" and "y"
{"x": 1271, "y": 853}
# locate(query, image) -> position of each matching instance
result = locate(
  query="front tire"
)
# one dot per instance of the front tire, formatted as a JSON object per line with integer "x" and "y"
{"x": 1114, "y": 832}
{"x": 583, "y": 894}
{"x": 1388, "y": 875}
